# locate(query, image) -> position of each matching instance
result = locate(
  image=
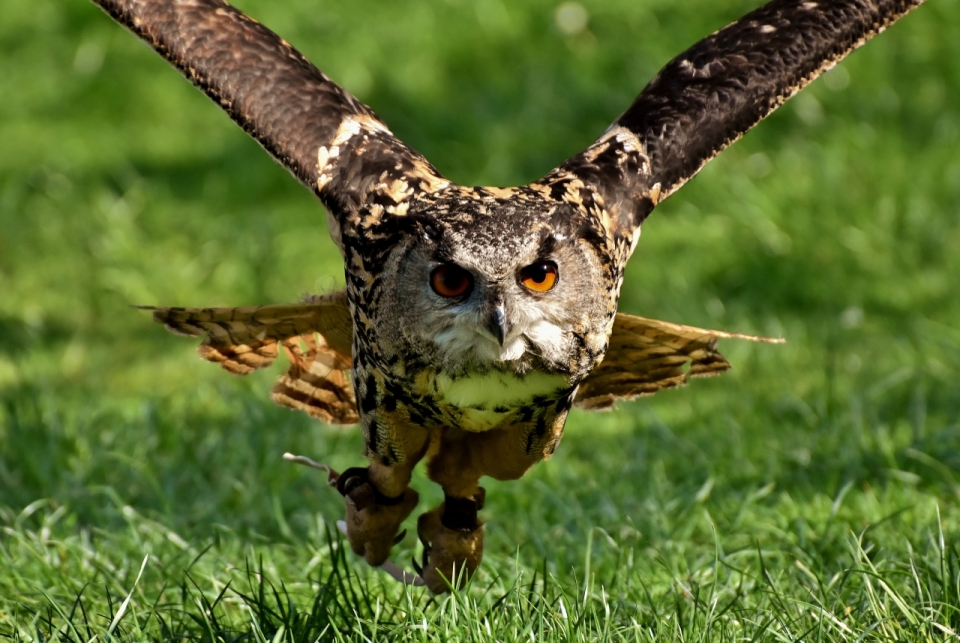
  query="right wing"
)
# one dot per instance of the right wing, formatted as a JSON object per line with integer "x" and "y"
{"x": 334, "y": 144}
{"x": 646, "y": 355}
{"x": 316, "y": 335}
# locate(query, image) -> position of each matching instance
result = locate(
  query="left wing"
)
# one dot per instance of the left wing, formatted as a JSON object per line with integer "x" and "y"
{"x": 646, "y": 355}
{"x": 316, "y": 336}
{"x": 710, "y": 95}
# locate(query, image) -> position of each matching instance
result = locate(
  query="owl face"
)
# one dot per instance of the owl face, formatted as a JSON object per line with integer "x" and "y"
{"x": 494, "y": 290}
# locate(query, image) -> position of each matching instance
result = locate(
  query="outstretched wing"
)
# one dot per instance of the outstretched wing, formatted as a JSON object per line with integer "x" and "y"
{"x": 646, "y": 355}
{"x": 710, "y": 95}
{"x": 316, "y": 335}
{"x": 333, "y": 143}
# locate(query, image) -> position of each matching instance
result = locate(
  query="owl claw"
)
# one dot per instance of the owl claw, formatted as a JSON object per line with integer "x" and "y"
{"x": 425, "y": 557}
{"x": 453, "y": 543}
{"x": 393, "y": 570}
{"x": 372, "y": 524}
{"x": 372, "y": 519}
{"x": 451, "y": 534}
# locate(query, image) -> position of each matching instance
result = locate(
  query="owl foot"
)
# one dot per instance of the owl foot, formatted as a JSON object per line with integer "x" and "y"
{"x": 452, "y": 538}
{"x": 372, "y": 519}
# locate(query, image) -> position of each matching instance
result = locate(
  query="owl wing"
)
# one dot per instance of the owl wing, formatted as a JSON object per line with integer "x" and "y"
{"x": 710, "y": 95}
{"x": 316, "y": 335}
{"x": 646, "y": 355}
{"x": 334, "y": 144}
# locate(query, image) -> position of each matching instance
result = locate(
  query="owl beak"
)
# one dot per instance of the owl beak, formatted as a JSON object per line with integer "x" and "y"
{"x": 497, "y": 323}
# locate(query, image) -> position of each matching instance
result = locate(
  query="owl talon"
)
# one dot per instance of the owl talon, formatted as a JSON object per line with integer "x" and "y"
{"x": 425, "y": 557}
{"x": 372, "y": 519}
{"x": 453, "y": 543}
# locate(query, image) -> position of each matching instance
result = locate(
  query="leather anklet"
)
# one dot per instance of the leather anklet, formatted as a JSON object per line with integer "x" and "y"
{"x": 461, "y": 513}
{"x": 355, "y": 484}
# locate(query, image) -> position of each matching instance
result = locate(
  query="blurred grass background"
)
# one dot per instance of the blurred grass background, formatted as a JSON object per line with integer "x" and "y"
{"x": 834, "y": 224}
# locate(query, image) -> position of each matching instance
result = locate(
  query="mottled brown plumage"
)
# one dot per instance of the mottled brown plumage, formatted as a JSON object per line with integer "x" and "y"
{"x": 643, "y": 356}
{"x": 646, "y": 356}
{"x": 474, "y": 318}
{"x": 316, "y": 336}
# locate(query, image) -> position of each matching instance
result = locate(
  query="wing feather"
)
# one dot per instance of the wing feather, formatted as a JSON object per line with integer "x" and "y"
{"x": 316, "y": 382}
{"x": 316, "y": 336}
{"x": 710, "y": 95}
{"x": 334, "y": 144}
{"x": 646, "y": 355}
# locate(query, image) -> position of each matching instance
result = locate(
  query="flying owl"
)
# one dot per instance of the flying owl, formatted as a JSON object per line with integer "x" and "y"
{"x": 474, "y": 318}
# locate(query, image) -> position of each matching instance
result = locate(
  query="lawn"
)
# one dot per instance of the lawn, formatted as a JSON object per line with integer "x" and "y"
{"x": 811, "y": 494}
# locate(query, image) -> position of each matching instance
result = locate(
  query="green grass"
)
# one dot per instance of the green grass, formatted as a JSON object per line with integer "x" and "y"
{"x": 812, "y": 494}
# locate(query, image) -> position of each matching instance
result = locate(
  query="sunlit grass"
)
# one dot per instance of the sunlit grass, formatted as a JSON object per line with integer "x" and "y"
{"x": 811, "y": 494}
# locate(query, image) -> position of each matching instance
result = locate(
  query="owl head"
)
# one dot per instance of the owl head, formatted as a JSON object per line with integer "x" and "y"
{"x": 496, "y": 286}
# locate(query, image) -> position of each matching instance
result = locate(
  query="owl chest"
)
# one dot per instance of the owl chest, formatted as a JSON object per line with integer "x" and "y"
{"x": 482, "y": 402}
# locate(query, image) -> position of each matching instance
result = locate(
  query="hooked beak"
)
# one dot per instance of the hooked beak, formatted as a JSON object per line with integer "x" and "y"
{"x": 497, "y": 323}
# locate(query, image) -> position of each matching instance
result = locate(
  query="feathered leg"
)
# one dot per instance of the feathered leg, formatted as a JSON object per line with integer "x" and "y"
{"x": 452, "y": 532}
{"x": 378, "y": 499}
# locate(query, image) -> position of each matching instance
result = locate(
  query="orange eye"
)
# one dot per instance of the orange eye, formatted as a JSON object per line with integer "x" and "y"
{"x": 449, "y": 280}
{"x": 540, "y": 277}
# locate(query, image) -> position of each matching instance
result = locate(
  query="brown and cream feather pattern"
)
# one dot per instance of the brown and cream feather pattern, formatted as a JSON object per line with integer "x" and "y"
{"x": 644, "y": 355}
{"x": 315, "y": 335}
{"x": 477, "y": 369}
{"x": 379, "y": 191}
{"x": 711, "y": 94}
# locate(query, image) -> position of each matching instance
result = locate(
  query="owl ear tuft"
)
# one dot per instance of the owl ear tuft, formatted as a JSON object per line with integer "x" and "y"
{"x": 646, "y": 355}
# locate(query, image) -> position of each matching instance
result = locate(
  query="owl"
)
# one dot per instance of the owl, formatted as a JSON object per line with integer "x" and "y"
{"x": 475, "y": 318}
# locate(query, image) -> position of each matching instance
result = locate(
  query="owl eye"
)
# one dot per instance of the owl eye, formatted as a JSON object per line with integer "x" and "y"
{"x": 449, "y": 280}
{"x": 540, "y": 277}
